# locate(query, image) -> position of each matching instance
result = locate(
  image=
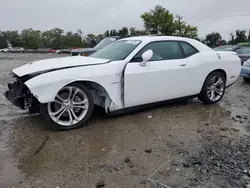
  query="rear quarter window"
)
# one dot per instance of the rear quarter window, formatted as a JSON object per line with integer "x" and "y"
{"x": 188, "y": 49}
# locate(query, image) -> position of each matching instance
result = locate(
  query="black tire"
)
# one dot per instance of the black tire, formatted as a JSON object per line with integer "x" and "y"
{"x": 54, "y": 125}
{"x": 246, "y": 79}
{"x": 203, "y": 96}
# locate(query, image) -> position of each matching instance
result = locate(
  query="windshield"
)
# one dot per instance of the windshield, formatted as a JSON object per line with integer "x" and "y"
{"x": 116, "y": 51}
{"x": 243, "y": 51}
{"x": 105, "y": 42}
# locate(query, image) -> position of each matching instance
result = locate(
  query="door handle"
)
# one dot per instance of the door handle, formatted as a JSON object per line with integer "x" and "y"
{"x": 183, "y": 65}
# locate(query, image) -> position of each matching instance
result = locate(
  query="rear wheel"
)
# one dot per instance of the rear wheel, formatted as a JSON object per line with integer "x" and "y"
{"x": 71, "y": 108}
{"x": 213, "y": 89}
{"x": 246, "y": 79}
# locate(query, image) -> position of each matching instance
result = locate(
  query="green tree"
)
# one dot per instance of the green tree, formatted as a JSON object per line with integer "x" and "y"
{"x": 90, "y": 40}
{"x": 232, "y": 40}
{"x": 47, "y": 38}
{"x": 79, "y": 31}
{"x": 57, "y": 38}
{"x": 113, "y": 32}
{"x": 240, "y": 36}
{"x": 3, "y": 39}
{"x": 158, "y": 21}
{"x": 71, "y": 40}
{"x": 31, "y": 38}
{"x": 13, "y": 37}
{"x": 123, "y": 31}
{"x": 134, "y": 32}
{"x": 213, "y": 39}
{"x": 184, "y": 30}
{"x": 106, "y": 34}
{"x": 161, "y": 21}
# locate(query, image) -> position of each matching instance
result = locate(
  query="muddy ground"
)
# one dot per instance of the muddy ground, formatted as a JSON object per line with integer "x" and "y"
{"x": 177, "y": 145}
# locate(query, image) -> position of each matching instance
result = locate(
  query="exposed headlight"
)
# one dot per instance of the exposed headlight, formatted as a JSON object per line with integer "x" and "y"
{"x": 246, "y": 63}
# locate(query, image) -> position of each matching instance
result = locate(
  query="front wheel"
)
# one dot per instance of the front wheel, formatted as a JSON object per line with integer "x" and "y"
{"x": 213, "y": 89}
{"x": 71, "y": 108}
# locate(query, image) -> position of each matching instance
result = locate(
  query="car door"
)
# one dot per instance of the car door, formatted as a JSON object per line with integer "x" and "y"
{"x": 165, "y": 76}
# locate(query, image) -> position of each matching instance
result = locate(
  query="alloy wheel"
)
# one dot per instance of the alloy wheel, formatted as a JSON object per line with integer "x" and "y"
{"x": 215, "y": 88}
{"x": 69, "y": 107}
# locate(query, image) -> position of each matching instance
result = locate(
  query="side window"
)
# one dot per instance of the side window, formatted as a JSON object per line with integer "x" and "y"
{"x": 188, "y": 49}
{"x": 161, "y": 51}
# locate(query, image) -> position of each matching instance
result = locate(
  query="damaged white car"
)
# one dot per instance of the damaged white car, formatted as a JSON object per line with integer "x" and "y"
{"x": 131, "y": 72}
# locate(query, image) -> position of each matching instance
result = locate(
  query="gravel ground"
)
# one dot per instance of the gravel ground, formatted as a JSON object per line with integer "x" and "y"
{"x": 177, "y": 145}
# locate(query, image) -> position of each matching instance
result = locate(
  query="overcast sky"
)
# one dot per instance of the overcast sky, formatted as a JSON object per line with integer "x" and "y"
{"x": 97, "y": 16}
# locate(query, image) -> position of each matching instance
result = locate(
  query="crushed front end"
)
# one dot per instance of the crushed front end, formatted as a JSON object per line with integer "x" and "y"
{"x": 19, "y": 94}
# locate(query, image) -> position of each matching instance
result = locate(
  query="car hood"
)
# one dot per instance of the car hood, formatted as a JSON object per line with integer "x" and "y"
{"x": 57, "y": 64}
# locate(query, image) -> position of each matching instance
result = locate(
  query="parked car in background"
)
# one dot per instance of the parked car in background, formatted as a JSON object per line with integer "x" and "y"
{"x": 17, "y": 50}
{"x": 244, "y": 44}
{"x": 30, "y": 50}
{"x": 89, "y": 51}
{"x": 4, "y": 50}
{"x": 232, "y": 48}
{"x": 42, "y": 50}
{"x": 245, "y": 70}
{"x": 51, "y": 51}
{"x": 127, "y": 74}
{"x": 243, "y": 53}
{"x": 63, "y": 51}
{"x": 58, "y": 51}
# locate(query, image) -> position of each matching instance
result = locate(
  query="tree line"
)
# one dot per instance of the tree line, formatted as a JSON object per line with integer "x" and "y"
{"x": 156, "y": 21}
{"x": 239, "y": 36}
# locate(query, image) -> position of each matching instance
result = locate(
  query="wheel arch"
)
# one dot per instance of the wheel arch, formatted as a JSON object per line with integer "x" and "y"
{"x": 216, "y": 70}
{"x": 45, "y": 93}
{"x": 99, "y": 94}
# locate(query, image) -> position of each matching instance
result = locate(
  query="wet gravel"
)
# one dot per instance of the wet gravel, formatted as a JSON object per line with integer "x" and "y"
{"x": 223, "y": 157}
{"x": 177, "y": 145}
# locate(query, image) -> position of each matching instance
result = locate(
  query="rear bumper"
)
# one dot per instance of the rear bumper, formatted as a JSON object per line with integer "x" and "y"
{"x": 245, "y": 72}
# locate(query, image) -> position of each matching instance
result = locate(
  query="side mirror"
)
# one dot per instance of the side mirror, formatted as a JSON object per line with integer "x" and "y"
{"x": 146, "y": 56}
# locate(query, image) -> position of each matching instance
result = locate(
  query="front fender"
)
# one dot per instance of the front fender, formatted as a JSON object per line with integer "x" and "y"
{"x": 45, "y": 86}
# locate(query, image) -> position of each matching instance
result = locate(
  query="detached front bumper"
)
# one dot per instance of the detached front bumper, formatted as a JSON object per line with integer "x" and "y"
{"x": 245, "y": 72}
{"x": 19, "y": 95}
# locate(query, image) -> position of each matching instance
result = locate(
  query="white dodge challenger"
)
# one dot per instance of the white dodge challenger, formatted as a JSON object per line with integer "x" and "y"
{"x": 127, "y": 74}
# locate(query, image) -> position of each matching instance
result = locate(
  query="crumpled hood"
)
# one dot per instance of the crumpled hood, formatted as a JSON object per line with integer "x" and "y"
{"x": 57, "y": 63}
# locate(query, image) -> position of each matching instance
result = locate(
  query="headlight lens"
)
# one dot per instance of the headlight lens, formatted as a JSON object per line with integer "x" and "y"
{"x": 246, "y": 63}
